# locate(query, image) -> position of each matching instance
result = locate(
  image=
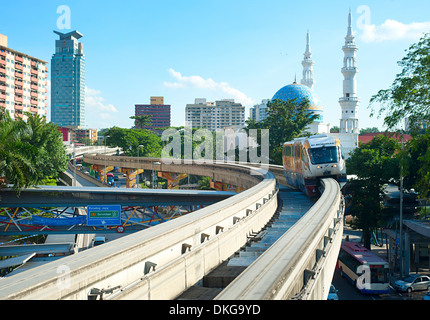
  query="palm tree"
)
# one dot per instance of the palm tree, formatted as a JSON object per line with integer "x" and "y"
{"x": 140, "y": 121}
{"x": 16, "y": 167}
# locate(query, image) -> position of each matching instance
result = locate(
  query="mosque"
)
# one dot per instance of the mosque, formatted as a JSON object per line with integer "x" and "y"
{"x": 349, "y": 102}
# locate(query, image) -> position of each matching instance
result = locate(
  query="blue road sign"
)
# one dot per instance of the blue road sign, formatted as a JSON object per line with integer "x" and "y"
{"x": 104, "y": 215}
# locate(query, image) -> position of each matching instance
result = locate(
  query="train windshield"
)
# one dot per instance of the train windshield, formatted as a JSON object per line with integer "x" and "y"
{"x": 324, "y": 155}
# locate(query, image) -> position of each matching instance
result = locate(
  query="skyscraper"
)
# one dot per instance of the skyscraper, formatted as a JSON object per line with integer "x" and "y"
{"x": 349, "y": 102}
{"x": 68, "y": 81}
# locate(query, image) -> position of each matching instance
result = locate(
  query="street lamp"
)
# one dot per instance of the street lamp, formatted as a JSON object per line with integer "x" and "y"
{"x": 138, "y": 165}
{"x": 153, "y": 176}
{"x": 105, "y": 172}
{"x": 74, "y": 165}
{"x": 401, "y": 216}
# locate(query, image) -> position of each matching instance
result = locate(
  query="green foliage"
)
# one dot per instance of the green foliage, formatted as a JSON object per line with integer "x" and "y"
{"x": 409, "y": 95}
{"x": 369, "y": 130}
{"x": 286, "y": 120}
{"x": 205, "y": 183}
{"x": 130, "y": 139}
{"x": 29, "y": 152}
{"x": 51, "y": 157}
{"x": 376, "y": 160}
{"x": 140, "y": 121}
{"x": 375, "y": 163}
{"x": 417, "y": 164}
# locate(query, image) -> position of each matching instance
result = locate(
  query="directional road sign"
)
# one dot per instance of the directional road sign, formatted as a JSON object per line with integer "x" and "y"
{"x": 103, "y": 215}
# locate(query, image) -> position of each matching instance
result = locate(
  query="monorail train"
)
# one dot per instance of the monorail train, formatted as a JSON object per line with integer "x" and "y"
{"x": 307, "y": 160}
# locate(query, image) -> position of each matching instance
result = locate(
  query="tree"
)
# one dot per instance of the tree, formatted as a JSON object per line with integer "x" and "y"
{"x": 141, "y": 121}
{"x": 416, "y": 155}
{"x": 286, "y": 120}
{"x": 15, "y": 167}
{"x": 51, "y": 156}
{"x": 205, "y": 183}
{"x": 130, "y": 139}
{"x": 409, "y": 94}
{"x": 335, "y": 129}
{"x": 369, "y": 130}
{"x": 375, "y": 164}
{"x": 29, "y": 152}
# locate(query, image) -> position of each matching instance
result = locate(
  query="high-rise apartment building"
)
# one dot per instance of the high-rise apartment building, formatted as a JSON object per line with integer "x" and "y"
{"x": 160, "y": 114}
{"x": 259, "y": 111}
{"x": 23, "y": 82}
{"x": 214, "y": 115}
{"x": 68, "y": 81}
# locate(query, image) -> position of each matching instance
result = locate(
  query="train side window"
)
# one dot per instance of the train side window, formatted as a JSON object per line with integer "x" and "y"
{"x": 288, "y": 151}
{"x": 297, "y": 151}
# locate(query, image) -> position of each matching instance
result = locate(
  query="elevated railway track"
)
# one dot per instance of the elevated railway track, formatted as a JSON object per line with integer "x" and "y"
{"x": 164, "y": 261}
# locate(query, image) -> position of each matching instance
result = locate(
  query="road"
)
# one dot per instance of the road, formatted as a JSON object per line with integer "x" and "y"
{"x": 346, "y": 291}
{"x": 82, "y": 181}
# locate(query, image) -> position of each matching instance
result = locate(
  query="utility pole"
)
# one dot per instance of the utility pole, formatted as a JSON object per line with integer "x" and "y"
{"x": 401, "y": 215}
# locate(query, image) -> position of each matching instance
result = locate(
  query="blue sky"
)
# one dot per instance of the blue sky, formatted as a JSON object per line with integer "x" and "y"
{"x": 217, "y": 49}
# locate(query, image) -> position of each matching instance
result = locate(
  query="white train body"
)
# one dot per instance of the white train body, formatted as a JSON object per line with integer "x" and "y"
{"x": 307, "y": 160}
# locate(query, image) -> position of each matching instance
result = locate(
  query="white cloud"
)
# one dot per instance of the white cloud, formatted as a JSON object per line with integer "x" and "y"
{"x": 94, "y": 103}
{"x": 393, "y": 30}
{"x": 201, "y": 83}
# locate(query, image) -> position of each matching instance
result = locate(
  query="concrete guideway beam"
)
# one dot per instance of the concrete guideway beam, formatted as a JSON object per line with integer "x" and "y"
{"x": 301, "y": 263}
{"x": 163, "y": 261}
{"x": 226, "y": 172}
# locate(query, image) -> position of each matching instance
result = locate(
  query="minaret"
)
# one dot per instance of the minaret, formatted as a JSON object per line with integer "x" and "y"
{"x": 307, "y": 63}
{"x": 349, "y": 102}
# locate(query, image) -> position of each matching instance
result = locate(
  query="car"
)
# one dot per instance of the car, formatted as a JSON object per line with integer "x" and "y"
{"x": 427, "y": 296}
{"x": 414, "y": 282}
{"x": 98, "y": 241}
{"x": 332, "y": 294}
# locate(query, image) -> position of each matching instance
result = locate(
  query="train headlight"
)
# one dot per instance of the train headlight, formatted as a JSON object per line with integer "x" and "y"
{"x": 318, "y": 167}
{"x": 335, "y": 166}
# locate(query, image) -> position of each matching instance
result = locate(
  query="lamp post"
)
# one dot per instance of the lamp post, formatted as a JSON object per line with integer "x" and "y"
{"x": 401, "y": 216}
{"x": 153, "y": 176}
{"x": 138, "y": 165}
{"x": 74, "y": 165}
{"x": 105, "y": 172}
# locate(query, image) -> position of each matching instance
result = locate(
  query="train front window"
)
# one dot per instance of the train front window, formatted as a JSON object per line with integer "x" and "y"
{"x": 324, "y": 155}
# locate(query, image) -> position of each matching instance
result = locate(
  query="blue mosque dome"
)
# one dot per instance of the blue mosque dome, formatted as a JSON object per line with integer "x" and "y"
{"x": 299, "y": 93}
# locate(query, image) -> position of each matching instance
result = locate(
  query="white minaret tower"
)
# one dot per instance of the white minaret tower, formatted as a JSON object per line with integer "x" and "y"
{"x": 307, "y": 63}
{"x": 349, "y": 102}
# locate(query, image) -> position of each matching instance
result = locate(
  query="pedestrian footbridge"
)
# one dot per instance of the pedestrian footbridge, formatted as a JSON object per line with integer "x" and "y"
{"x": 164, "y": 261}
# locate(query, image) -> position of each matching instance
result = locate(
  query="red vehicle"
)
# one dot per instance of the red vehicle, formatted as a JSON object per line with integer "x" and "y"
{"x": 110, "y": 179}
{"x": 366, "y": 270}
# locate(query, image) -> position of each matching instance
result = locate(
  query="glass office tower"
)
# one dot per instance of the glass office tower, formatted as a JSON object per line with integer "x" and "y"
{"x": 68, "y": 81}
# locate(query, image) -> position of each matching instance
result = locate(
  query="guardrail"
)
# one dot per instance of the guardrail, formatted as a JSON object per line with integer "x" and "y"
{"x": 301, "y": 263}
{"x": 160, "y": 262}
{"x": 81, "y": 150}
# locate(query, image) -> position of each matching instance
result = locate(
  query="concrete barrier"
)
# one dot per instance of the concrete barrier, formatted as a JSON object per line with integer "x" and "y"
{"x": 160, "y": 262}
{"x": 301, "y": 263}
